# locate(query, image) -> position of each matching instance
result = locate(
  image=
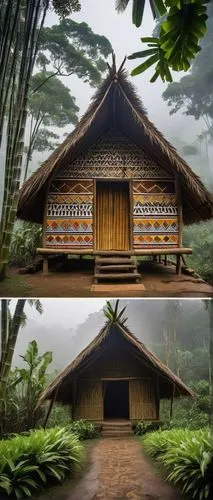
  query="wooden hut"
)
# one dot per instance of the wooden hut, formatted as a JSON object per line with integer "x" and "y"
{"x": 115, "y": 188}
{"x": 116, "y": 376}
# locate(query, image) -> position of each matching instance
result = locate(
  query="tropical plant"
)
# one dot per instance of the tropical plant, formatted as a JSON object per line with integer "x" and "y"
{"x": 112, "y": 314}
{"x": 187, "y": 457}
{"x": 83, "y": 429}
{"x": 10, "y": 326}
{"x": 25, "y": 240}
{"x": 178, "y": 42}
{"x": 24, "y": 388}
{"x": 32, "y": 462}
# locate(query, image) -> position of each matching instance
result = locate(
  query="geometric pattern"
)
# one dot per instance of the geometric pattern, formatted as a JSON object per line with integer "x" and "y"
{"x": 155, "y": 214}
{"x": 152, "y": 240}
{"x": 69, "y": 225}
{"x": 113, "y": 156}
{"x": 155, "y": 225}
{"x": 69, "y": 220}
{"x": 150, "y": 187}
{"x": 69, "y": 240}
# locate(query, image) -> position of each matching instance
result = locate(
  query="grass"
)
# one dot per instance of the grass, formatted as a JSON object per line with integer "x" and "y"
{"x": 32, "y": 462}
{"x": 187, "y": 458}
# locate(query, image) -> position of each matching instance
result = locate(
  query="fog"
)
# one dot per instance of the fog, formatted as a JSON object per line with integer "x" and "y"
{"x": 68, "y": 325}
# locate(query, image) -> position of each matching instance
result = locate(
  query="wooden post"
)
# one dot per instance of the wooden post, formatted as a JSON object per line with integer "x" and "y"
{"x": 51, "y": 403}
{"x": 157, "y": 397}
{"x": 45, "y": 265}
{"x": 155, "y": 258}
{"x": 172, "y": 401}
{"x": 180, "y": 221}
{"x": 165, "y": 260}
{"x": 178, "y": 264}
{"x": 159, "y": 257}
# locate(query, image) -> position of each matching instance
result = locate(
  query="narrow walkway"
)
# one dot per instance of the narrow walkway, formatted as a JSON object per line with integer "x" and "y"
{"x": 118, "y": 470}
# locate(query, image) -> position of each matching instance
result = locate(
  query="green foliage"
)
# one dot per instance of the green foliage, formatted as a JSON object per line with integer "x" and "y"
{"x": 51, "y": 101}
{"x": 72, "y": 48}
{"x": 178, "y": 42}
{"x": 32, "y": 462}
{"x": 142, "y": 427}
{"x": 24, "y": 388}
{"x": 200, "y": 238}
{"x": 25, "y": 240}
{"x": 187, "y": 457}
{"x": 60, "y": 416}
{"x": 113, "y": 314}
{"x": 83, "y": 429}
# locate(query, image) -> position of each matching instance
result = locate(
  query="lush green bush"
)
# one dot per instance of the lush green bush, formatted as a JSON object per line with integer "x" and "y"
{"x": 23, "y": 391}
{"x": 142, "y": 427}
{"x": 32, "y": 462}
{"x": 187, "y": 412}
{"x": 60, "y": 416}
{"x": 25, "y": 240}
{"x": 187, "y": 457}
{"x": 200, "y": 238}
{"x": 83, "y": 429}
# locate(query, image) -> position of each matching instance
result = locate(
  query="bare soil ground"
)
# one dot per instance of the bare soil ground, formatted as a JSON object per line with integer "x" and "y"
{"x": 118, "y": 470}
{"x": 74, "y": 278}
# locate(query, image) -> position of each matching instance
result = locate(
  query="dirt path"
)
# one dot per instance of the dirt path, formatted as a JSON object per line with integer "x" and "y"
{"x": 75, "y": 280}
{"x": 119, "y": 470}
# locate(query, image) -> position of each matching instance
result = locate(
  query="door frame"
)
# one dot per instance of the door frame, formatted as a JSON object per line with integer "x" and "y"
{"x": 130, "y": 210}
{"x": 125, "y": 379}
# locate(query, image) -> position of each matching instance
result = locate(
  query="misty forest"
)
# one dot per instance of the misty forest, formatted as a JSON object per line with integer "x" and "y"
{"x": 178, "y": 332}
{"x": 39, "y": 106}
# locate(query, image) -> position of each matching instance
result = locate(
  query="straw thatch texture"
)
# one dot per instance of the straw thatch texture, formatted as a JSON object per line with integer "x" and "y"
{"x": 62, "y": 384}
{"x": 116, "y": 104}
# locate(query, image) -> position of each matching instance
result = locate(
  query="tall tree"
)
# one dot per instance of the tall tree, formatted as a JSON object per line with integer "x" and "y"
{"x": 10, "y": 326}
{"x": 65, "y": 49}
{"x": 50, "y": 106}
{"x": 22, "y": 22}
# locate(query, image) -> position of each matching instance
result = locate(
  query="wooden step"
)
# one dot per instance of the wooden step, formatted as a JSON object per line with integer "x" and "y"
{"x": 115, "y": 267}
{"x": 117, "y": 433}
{"x": 117, "y": 276}
{"x": 112, "y": 252}
{"x": 114, "y": 260}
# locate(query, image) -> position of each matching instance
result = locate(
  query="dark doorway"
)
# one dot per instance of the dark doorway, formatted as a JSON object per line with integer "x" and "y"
{"x": 112, "y": 215}
{"x": 116, "y": 399}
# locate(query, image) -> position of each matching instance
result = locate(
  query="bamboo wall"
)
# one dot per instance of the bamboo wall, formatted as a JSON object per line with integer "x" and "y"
{"x": 69, "y": 220}
{"x": 116, "y": 362}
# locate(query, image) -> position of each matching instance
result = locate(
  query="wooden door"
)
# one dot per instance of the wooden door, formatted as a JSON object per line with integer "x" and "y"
{"x": 112, "y": 216}
{"x": 142, "y": 400}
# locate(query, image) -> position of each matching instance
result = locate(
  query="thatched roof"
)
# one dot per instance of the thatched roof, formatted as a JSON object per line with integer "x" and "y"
{"x": 60, "y": 388}
{"x": 117, "y": 104}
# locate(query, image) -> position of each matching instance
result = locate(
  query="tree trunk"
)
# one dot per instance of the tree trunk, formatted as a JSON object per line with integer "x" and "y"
{"x": 27, "y": 40}
{"x": 8, "y": 357}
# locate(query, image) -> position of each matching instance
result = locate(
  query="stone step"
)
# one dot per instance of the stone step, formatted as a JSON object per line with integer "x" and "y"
{"x": 117, "y": 426}
{"x": 117, "y": 433}
{"x": 117, "y": 276}
{"x": 115, "y": 267}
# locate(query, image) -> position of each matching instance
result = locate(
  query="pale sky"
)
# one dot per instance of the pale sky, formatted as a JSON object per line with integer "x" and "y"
{"x": 125, "y": 39}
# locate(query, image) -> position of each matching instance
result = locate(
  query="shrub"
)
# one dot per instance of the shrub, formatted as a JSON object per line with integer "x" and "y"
{"x": 25, "y": 240}
{"x": 83, "y": 429}
{"x": 30, "y": 462}
{"x": 142, "y": 427}
{"x": 187, "y": 457}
